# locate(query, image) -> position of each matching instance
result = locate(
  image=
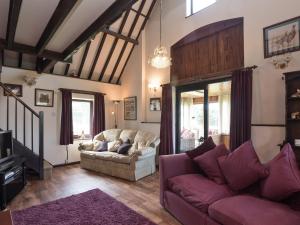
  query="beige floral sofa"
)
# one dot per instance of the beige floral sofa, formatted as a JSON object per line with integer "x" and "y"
{"x": 136, "y": 164}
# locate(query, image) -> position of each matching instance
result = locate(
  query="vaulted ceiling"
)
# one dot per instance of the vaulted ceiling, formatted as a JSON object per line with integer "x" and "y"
{"x": 84, "y": 39}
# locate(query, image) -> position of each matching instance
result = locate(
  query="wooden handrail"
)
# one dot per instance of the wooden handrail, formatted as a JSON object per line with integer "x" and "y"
{"x": 19, "y": 100}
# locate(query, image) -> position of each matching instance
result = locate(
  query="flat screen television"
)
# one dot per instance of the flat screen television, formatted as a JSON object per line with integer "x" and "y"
{"x": 6, "y": 145}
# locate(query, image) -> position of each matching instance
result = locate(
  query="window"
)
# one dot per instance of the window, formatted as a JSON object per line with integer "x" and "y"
{"x": 193, "y": 6}
{"x": 82, "y": 111}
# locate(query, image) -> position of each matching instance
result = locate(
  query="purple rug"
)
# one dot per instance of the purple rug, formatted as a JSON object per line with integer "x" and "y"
{"x": 89, "y": 208}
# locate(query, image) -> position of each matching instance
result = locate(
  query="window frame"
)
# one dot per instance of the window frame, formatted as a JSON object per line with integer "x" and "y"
{"x": 90, "y": 135}
{"x": 192, "y": 8}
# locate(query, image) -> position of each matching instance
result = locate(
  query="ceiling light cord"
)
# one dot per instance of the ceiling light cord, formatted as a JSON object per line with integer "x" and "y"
{"x": 160, "y": 23}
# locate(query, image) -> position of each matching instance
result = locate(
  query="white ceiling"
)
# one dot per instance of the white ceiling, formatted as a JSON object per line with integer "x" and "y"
{"x": 33, "y": 18}
{"x": 84, "y": 15}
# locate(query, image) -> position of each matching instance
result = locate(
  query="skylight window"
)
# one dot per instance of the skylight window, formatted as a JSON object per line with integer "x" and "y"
{"x": 193, "y": 6}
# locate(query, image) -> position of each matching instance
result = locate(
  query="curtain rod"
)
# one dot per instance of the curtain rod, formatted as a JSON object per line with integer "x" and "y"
{"x": 212, "y": 76}
{"x": 81, "y": 91}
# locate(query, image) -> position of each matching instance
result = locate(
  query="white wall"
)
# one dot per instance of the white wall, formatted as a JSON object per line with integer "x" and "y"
{"x": 55, "y": 153}
{"x": 268, "y": 87}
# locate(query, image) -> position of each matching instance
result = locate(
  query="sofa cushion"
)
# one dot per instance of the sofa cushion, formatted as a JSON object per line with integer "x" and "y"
{"x": 112, "y": 135}
{"x": 249, "y": 210}
{"x": 207, "y": 145}
{"x": 208, "y": 162}
{"x": 144, "y": 137}
{"x": 242, "y": 168}
{"x": 124, "y": 148}
{"x": 198, "y": 190}
{"x": 284, "y": 177}
{"x": 113, "y": 146}
{"x": 100, "y": 146}
{"x": 128, "y": 135}
{"x": 108, "y": 156}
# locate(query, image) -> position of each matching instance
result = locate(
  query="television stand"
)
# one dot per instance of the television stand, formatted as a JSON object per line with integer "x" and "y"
{"x": 12, "y": 179}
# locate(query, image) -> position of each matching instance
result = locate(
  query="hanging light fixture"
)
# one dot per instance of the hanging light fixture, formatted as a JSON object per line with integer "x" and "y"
{"x": 160, "y": 58}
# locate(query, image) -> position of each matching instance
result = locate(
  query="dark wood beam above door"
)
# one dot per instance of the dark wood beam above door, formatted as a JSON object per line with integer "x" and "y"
{"x": 106, "y": 19}
{"x": 13, "y": 16}
{"x": 62, "y": 10}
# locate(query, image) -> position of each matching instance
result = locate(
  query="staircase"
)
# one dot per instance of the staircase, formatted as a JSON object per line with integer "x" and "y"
{"x": 27, "y": 127}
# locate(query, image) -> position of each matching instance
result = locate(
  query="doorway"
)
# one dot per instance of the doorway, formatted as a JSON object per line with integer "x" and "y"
{"x": 202, "y": 110}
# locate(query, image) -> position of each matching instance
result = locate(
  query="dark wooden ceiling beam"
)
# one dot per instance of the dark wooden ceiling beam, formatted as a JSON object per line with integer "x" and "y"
{"x": 1, "y": 61}
{"x": 45, "y": 65}
{"x": 136, "y": 18}
{"x": 111, "y": 52}
{"x": 67, "y": 69}
{"x": 86, "y": 51}
{"x": 26, "y": 49}
{"x": 120, "y": 36}
{"x": 20, "y": 60}
{"x": 106, "y": 19}
{"x": 62, "y": 10}
{"x": 142, "y": 28}
{"x": 13, "y": 16}
{"x": 139, "y": 13}
{"x": 97, "y": 56}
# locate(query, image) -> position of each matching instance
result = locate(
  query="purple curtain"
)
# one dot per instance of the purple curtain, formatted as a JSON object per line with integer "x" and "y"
{"x": 99, "y": 114}
{"x": 241, "y": 107}
{"x": 66, "y": 129}
{"x": 166, "y": 133}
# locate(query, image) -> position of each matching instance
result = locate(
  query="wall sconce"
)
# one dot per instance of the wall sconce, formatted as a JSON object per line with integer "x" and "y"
{"x": 281, "y": 62}
{"x": 153, "y": 86}
{"x": 115, "y": 112}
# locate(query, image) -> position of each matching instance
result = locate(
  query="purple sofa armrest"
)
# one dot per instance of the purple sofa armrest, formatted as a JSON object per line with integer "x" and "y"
{"x": 172, "y": 166}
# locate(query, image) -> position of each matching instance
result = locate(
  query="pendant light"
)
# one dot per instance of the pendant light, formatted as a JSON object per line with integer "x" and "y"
{"x": 160, "y": 58}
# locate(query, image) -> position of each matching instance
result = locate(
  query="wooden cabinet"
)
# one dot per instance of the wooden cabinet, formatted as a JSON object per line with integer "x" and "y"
{"x": 292, "y": 80}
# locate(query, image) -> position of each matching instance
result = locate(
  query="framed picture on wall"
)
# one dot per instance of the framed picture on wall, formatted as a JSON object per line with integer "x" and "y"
{"x": 155, "y": 104}
{"x": 282, "y": 37}
{"x": 44, "y": 98}
{"x": 130, "y": 108}
{"x": 17, "y": 89}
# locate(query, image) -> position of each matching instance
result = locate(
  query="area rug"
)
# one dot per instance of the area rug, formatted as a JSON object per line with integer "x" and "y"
{"x": 89, "y": 208}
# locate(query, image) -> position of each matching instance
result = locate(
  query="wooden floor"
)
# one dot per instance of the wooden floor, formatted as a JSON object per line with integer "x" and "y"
{"x": 141, "y": 196}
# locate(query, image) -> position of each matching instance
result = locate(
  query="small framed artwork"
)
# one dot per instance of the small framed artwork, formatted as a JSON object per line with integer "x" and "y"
{"x": 44, "y": 98}
{"x": 155, "y": 104}
{"x": 130, "y": 108}
{"x": 282, "y": 37}
{"x": 17, "y": 89}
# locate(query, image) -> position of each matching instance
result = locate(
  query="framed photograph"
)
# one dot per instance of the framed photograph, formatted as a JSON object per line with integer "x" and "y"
{"x": 130, "y": 108}
{"x": 155, "y": 104}
{"x": 44, "y": 98}
{"x": 282, "y": 37}
{"x": 17, "y": 89}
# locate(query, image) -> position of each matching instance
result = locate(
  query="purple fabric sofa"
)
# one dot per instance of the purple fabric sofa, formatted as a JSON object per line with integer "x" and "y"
{"x": 195, "y": 200}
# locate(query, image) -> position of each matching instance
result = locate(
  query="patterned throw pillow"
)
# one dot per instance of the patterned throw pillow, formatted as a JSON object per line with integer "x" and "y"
{"x": 100, "y": 146}
{"x": 114, "y": 145}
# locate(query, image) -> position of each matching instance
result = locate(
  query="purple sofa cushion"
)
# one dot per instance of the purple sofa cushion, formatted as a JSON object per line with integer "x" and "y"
{"x": 198, "y": 190}
{"x": 208, "y": 162}
{"x": 284, "y": 178}
{"x": 207, "y": 145}
{"x": 249, "y": 210}
{"x": 242, "y": 168}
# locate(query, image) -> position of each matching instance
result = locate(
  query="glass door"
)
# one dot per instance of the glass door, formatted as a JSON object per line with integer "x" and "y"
{"x": 191, "y": 115}
{"x": 202, "y": 110}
